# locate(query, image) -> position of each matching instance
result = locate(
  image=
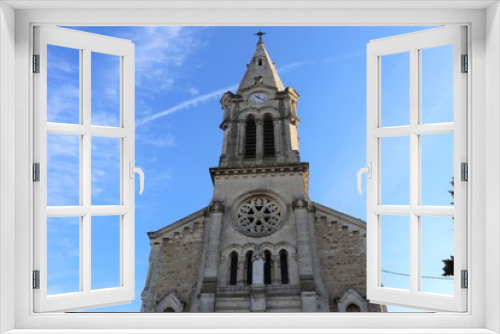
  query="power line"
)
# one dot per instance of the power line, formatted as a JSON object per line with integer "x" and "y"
{"x": 427, "y": 277}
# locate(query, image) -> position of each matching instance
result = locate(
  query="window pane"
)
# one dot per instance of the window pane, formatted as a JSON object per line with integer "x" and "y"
{"x": 105, "y": 90}
{"x": 395, "y": 170}
{"x": 63, "y": 85}
{"x": 437, "y": 84}
{"x": 437, "y": 169}
{"x": 63, "y": 254}
{"x": 395, "y": 246}
{"x": 105, "y": 252}
{"x": 63, "y": 169}
{"x": 105, "y": 171}
{"x": 395, "y": 89}
{"x": 437, "y": 254}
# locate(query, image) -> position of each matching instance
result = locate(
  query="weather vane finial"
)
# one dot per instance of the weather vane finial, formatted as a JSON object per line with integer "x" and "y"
{"x": 260, "y": 34}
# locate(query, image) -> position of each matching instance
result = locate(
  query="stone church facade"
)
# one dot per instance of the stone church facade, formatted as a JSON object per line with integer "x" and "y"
{"x": 261, "y": 245}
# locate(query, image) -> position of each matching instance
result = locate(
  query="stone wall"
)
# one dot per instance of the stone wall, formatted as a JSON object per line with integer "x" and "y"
{"x": 178, "y": 263}
{"x": 341, "y": 241}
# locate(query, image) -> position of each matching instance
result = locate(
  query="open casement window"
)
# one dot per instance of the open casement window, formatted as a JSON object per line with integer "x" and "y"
{"x": 416, "y": 130}
{"x": 84, "y": 168}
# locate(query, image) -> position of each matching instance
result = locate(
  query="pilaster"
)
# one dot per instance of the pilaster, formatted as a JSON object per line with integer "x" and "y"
{"x": 304, "y": 255}
{"x": 148, "y": 296}
{"x": 212, "y": 257}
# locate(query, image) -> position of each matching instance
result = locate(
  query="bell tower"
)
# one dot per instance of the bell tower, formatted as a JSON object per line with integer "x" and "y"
{"x": 260, "y": 119}
{"x": 259, "y": 235}
{"x": 261, "y": 244}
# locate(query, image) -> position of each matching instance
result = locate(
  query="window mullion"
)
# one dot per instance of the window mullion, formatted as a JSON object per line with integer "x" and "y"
{"x": 414, "y": 171}
{"x": 85, "y": 161}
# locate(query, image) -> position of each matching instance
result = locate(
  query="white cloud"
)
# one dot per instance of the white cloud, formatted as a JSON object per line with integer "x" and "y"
{"x": 63, "y": 103}
{"x": 167, "y": 141}
{"x": 161, "y": 52}
{"x": 193, "y": 91}
{"x": 344, "y": 56}
{"x": 105, "y": 119}
{"x": 62, "y": 63}
{"x": 290, "y": 67}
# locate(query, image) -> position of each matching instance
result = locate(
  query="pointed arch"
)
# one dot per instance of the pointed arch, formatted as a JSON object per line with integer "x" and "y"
{"x": 233, "y": 268}
{"x": 268, "y": 127}
{"x": 171, "y": 303}
{"x": 352, "y": 301}
{"x": 268, "y": 267}
{"x": 285, "y": 279}
{"x": 250, "y": 137}
{"x": 248, "y": 266}
{"x": 352, "y": 308}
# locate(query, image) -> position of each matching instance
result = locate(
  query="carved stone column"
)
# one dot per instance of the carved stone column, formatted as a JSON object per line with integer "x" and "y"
{"x": 276, "y": 270}
{"x": 304, "y": 255}
{"x": 241, "y": 271}
{"x": 212, "y": 257}
{"x": 240, "y": 140}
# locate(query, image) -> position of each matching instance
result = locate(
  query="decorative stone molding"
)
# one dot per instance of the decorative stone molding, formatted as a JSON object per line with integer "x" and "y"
{"x": 300, "y": 168}
{"x": 171, "y": 300}
{"x": 352, "y": 296}
{"x": 216, "y": 207}
{"x": 300, "y": 203}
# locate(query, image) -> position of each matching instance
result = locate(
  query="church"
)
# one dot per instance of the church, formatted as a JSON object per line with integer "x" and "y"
{"x": 261, "y": 244}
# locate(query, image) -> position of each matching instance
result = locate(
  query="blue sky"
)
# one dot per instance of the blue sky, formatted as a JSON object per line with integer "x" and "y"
{"x": 181, "y": 73}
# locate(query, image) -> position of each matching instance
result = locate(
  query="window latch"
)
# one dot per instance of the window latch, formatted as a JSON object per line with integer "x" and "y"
{"x": 368, "y": 171}
{"x": 134, "y": 170}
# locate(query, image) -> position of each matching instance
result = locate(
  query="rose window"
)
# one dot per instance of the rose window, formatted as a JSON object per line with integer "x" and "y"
{"x": 258, "y": 216}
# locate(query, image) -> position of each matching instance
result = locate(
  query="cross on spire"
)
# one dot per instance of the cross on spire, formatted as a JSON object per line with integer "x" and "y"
{"x": 260, "y": 34}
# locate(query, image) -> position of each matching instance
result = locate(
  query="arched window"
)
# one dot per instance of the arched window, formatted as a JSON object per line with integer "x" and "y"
{"x": 248, "y": 262}
{"x": 284, "y": 267}
{"x": 260, "y": 62}
{"x": 268, "y": 267}
{"x": 268, "y": 136}
{"x": 233, "y": 270}
{"x": 352, "y": 308}
{"x": 250, "y": 137}
{"x": 169, "y": 309}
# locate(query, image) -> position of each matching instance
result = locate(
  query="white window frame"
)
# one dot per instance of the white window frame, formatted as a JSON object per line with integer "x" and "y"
{"x": 414, "y": 43}
{"x": 86, "y": 44}
{"x": 483, "y": 20}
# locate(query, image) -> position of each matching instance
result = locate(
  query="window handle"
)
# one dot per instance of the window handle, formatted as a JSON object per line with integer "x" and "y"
{"x": 368, "y": 171}
{"x": 134, "y": 170}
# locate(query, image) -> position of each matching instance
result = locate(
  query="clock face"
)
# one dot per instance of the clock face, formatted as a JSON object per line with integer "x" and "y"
{"x": 259, "y": 98}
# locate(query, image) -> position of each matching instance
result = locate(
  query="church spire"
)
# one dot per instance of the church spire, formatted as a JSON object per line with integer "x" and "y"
{"x": 261, "y": 70}
{"x": 260, "y": 120}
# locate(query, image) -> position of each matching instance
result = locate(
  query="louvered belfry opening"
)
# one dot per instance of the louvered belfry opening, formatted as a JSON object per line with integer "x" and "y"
{"x": 250, "y": 137}
{"x": 268, "y": 136}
